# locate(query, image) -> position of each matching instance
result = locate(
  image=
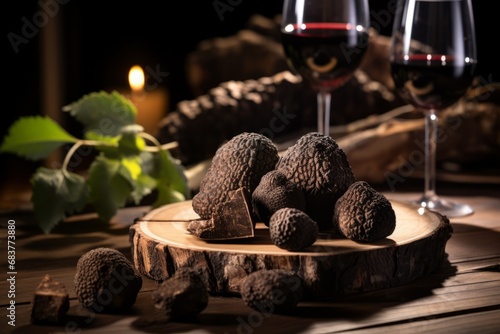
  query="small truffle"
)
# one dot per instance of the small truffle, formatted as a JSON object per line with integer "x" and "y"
{"x": 275, "y": 192}
{"x": 239, "y": 163}
{"x": 106, "y": 280}
{"x": 50, "y": 303}
{"x": 272, "y": 290}
{"x": 292, "y": 229}
{"x": 182, "y": 296}
{"x": 319, "y": 168}
{"x": 364, "y": 214}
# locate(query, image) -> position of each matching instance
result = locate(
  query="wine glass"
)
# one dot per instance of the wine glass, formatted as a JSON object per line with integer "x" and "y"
{"x": 433, "y": 60}
{"x": 324, "y": 42}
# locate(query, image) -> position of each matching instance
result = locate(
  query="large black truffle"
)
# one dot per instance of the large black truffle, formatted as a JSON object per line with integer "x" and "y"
{"x": 319, "y": 167}
{"x": 239, "y": 163}
{"x": 364, "y": 214}
{"x": 106, "y": 280}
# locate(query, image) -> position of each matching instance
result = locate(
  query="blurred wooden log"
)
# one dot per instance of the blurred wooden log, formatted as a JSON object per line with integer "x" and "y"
{"x": 256, "y": 51}
{"x": 274, "y": 106}
{"x": 393, "y": 151}
{"x": 388, "y": 148}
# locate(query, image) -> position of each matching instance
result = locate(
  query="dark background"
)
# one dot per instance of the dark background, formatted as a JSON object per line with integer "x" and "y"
{"x": 101, "y": 40}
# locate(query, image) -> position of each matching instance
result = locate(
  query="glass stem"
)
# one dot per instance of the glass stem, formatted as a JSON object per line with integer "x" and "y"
{"x": 431, "y": 122}
{"x": 324, "y": 101}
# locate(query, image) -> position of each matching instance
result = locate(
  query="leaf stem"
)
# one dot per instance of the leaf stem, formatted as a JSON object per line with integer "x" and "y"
{"x": 73, "y": 149}
{"x": 159, "y": 147}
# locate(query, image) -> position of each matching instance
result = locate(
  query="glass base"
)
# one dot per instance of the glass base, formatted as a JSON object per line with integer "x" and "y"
{"x": 446, "y": 208}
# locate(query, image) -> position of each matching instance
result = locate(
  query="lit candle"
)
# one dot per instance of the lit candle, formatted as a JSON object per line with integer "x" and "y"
{"x": 151, "y": 104}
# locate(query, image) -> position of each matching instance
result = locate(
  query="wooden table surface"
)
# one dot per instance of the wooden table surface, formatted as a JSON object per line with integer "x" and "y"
{"x": 463, "y": 296}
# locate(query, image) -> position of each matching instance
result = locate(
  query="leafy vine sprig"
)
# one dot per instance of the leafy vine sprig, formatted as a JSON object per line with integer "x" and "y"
{"x": 126, "y": 168}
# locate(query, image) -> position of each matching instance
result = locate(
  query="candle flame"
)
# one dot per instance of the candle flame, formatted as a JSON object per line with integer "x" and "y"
{"x": 136, "y": 78}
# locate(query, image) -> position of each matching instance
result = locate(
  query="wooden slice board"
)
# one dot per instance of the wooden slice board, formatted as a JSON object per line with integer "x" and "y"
{"x": 332, "y": 266}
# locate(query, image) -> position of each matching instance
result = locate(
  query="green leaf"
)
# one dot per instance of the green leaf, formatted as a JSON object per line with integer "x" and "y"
{"x": 35, "y": 137}
{"x": 131, "y": 144}
{"x": 167, "y": 195}
{"x": 103, "y": 113}
{"x": 142, "y": 183}
{"x": 56, "y": 195}
{"x": 143, "y": 186}
{"x": 110, "y": 186}
{"x": 148, "y": 162}
{"x": 109, "y": 144}
{"x": 105, "y": 140}
{"x": 133, "y": 167}
{"x": 170, "y": 175}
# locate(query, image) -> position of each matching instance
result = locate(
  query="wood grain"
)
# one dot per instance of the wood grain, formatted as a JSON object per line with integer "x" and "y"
{"x": 331, "y": 267}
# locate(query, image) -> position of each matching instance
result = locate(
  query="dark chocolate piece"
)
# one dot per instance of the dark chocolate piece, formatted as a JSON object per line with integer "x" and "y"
{"x": 50, "y": 303}
{"x": 231, "y": 220}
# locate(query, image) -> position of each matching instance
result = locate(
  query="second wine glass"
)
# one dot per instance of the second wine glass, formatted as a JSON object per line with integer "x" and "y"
{"x": 433, "y": 59}
{"x": 324, "y": 42}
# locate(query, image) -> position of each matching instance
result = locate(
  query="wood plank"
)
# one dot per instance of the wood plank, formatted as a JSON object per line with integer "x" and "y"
{"x": 482, "y": 243}
{"x": 461, "y": 296}
{"x": 227, "y": 314}
{"x": 487, "y": 322}
{"x": 485, "y": 214}
{"x": 471, "y": 291}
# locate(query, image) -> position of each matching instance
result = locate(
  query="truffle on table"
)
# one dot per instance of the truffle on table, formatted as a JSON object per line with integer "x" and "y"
{"x": 272, "y": 290}
{"x": 182, "y": 296}
{"x": 106, "y": 280}
{"x": 50, "y": 303}
{"x": 364, "y": 214}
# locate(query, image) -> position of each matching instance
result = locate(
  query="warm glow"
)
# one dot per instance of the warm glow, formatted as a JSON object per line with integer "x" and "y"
{"x": 136, "y": 78}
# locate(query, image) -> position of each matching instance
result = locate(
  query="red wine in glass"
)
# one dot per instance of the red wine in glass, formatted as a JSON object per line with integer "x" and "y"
{"x": 324, "y": 53}
{"x": 433, "y": 59}
{"x": 432, "y": 81}
{"x": 324, "y": 42}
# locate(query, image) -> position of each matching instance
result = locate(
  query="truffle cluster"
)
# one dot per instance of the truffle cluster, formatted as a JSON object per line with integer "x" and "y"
{"x": 310, "y": 188}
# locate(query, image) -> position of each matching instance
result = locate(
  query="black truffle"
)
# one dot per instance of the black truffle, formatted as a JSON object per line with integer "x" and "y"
{"x": 275, "y": 192}
{"x": 319, "y": 168}
{"x": 239, "y": 163}
{"x": 364, "y": 214}
{"x": 106, "y": 280}
{"x": 182, "y": 296}
{"x": 272, "y": 290}
{"x": 292, "y": 229}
